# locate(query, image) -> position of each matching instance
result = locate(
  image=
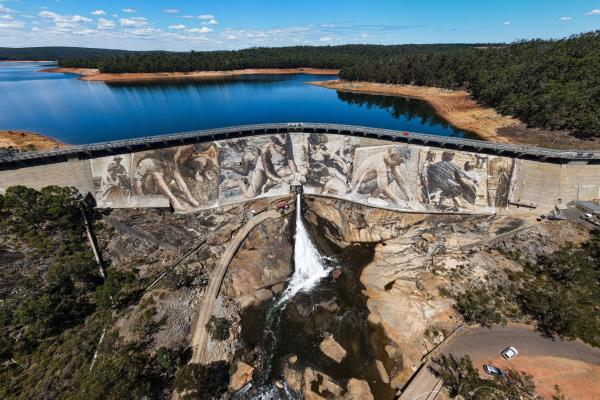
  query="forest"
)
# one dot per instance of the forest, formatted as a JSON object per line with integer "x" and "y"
{"x": 553, "y": 84}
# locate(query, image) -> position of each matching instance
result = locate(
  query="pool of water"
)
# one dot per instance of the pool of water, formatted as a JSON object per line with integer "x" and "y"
{"x": 78, "y": 112}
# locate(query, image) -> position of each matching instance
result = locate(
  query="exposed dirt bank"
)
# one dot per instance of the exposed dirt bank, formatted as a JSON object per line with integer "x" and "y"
{"x": 22, "y": 140}
{"x": 95, "y": 75}
{"x": 460, "y": 110}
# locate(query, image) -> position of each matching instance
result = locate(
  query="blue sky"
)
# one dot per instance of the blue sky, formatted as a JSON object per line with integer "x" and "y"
{"x": 233, "y": 24}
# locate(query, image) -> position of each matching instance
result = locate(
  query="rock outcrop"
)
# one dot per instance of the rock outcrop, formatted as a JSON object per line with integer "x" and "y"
{"x": 241, "y": 377}
{"x": 333, "y": 349}
{"x": 261, "y": 265}
{"x": 358, "y": 390}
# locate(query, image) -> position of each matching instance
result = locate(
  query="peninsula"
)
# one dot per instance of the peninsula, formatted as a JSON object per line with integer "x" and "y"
{"x": 93, "y": 74}
{"x": 23, "y": 140}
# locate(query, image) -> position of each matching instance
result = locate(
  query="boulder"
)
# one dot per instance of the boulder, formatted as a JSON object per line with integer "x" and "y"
{"x": 329, "y": 386}
{"x": 358, "y": 390}
{"x": 263, "y": 295}
{"x": 278, "y": 288}
{"x": 241, "y": 377}
{"x": 385, "y": 378}
{"x": 293, "y": 378}
{"x": 309, "y": 377}
{"x": 332, "y": 349}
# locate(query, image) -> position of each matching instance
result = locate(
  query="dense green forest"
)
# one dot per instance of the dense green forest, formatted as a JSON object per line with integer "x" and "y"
{"x": 554, "y": 84}
{"x": 263, "y": 57}
{"x": 54, "y": 53}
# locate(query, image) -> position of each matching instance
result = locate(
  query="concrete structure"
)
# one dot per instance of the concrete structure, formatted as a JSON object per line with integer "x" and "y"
{"x": 389, "y": 169}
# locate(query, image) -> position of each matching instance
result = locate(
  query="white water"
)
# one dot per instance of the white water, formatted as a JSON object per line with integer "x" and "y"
{"x": 308, "y": 265}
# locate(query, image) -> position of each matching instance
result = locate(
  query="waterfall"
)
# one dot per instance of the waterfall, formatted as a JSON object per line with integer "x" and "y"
{"x": 308, "y": 271}
{"x": 308, "y": 266}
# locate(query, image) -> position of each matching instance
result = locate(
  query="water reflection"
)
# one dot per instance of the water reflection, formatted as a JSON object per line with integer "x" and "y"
{"x": 76, "y": 111}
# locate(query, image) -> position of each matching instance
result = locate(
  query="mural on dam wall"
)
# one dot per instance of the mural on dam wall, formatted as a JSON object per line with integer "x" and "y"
{"x": 396, "y": 176}
{"x": 186, "y": 176}
{"x": 386, "y": 176}
{"x": 257, "y": 167}
{"x": 329, "y": 162}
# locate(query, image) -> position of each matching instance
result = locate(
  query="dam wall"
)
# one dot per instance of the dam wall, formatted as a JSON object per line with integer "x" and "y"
{"x": 388, "y": 169}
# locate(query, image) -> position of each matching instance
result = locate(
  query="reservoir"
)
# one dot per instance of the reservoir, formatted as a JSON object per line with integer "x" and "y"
{"x": 79, "y": 112}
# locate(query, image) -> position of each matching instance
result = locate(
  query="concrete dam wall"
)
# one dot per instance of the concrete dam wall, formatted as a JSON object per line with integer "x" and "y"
{"x": 395, "y": 170}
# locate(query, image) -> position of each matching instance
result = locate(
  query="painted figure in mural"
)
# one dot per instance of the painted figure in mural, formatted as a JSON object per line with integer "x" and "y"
{"x": 427, "y": 197}
{"x": 377, "y": 172}
{"x": 115, "y": 185}
{"x": 451, "y": 182}
{"x": 498, "y": 184}
{"x": 261, "y": 170}
{"x": 156, "y": 171}
{"x": 327, "y": 167}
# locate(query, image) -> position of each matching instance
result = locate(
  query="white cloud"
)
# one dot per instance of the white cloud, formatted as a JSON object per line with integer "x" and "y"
{"x": 204, "y": 29}
{"x": 178, "y": 27}
{"x": 328, "y": 26}
{"x": 170, "y": 10}
{"x": 6, "y": 16}
{"x": 211, "y": 22}
{"x": 565, "y": 18}
{"x": 11, "y": 24}
{"x": 133, "y": 22}
{"x": 129, "y": 10}
{"x": 594, "y": 12}
{"x": 5, "y": 10}
{"x": 99, "y": 12}
{"x": 507, "y": 22}
{"x": 104, "y": 23}
{"x": 325, "y": 39}
{"x": 79, "y": 19}
{"x": 203, "y": 17}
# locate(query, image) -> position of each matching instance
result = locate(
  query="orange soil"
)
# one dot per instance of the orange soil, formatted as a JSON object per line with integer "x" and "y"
{"x": 456, "y": 107}
{"x": 95, "y": 75}
{"x": 21, "y": 140}
{"x": 577, "y": 380}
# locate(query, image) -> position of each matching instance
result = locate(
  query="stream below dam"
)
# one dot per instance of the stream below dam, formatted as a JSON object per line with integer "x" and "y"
{"x": 322, "y": 299}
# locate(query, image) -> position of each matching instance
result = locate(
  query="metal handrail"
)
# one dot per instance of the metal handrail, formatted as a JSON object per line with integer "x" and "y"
{"x": 127, "y": 145}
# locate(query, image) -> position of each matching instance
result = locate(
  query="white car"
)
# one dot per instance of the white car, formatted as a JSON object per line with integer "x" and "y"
{"x": 509, "y": 352}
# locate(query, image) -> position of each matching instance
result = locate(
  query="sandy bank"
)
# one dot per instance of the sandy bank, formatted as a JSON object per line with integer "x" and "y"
{"x": 95, "y": 75}
{"x": 22, "y": 140}
{"x": 460, "y": 110}
{"x": 456, "y": 107}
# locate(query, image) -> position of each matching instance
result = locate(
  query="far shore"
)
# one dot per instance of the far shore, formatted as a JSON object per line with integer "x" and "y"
{"x": 456, "y": 107}
{"x": 460, "y": 110}
{"x": 24, "y": 140}
{"x": 89, "y": 74}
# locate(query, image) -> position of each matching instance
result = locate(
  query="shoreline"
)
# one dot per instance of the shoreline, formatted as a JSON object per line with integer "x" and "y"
{"x": 455, "y": 107}
{"x": 25, "y": 140}
{"x": 94, "y": 75}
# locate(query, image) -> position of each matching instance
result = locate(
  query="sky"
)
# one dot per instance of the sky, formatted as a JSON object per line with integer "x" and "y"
{"x": 183, "y": 25}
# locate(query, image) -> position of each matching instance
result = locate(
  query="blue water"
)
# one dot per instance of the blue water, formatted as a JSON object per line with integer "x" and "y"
{"x": 78, "y": 112}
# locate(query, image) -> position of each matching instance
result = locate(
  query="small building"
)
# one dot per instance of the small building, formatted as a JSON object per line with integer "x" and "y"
{"x": 587, "y": 207}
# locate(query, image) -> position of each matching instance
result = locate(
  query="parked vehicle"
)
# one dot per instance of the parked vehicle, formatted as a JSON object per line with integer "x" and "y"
{"x": 509, "y": 352}
{"x": 495, "y": 371}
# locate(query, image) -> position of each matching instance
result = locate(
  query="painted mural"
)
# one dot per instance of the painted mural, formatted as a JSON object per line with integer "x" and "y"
{"x": 329, "y": 163}
{"x": 386, "y": 176}
{"x": 257, "y": 167}
{"x": 186, "y": 176}
{"x": 396, "y": 176}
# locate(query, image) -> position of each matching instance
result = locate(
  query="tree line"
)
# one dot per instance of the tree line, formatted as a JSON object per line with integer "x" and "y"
{"x": 553, "y": 84}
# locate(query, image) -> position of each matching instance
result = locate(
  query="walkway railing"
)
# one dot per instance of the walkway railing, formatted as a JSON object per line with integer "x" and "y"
{"x": 154, "y": 142}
